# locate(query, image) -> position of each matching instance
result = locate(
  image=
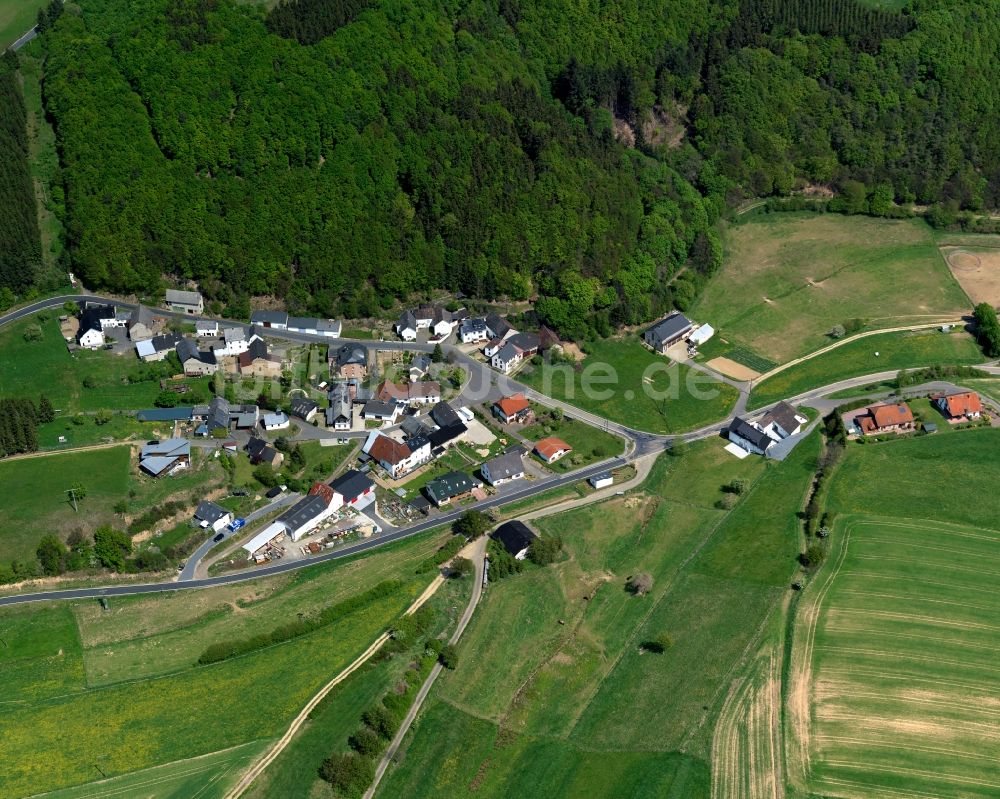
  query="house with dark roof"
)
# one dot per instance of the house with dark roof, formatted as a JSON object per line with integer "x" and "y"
{"x": 748, "y": 436}
{"x": 94, "y": 319}
{"x": 194, "y": 361}
{"x": 355, "y": 488}
{"x": 438, "y": 321}
{"x": 514, "y": 350}
{"x": 444, "y": 415}
{"x": 497, "y": 327}
{"x": 419, "y": 367}
{"x": 157, "y": 348}
{"x": 304, "y": 408}
{"x": 340, "y": 414}
{"x": 208, "y": 514}
{"x": 668, "y": 331}
{"x": 256, "y": 361}
{"x": 413, "y": 426}
{"x": 504, "y": 468}
{"x": 262, "y": 452}
{"x": 349, "y": 361}
{"x": 206, "y": 328}
{"x": 958, "y": 406}
{"x": 447, "y": 435}
{"x": 516, "y": 538}
{"x": 782, "y": 421}
{"x": 310, "y": 511}
{"x": 449, "y": 487}
{"x": 277, "y": 320}
{"x": 379, "y": 411}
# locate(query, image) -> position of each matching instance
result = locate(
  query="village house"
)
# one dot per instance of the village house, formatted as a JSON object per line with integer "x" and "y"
{"x": 340, "y": 414}
{"x": 514, "y": 408}
{"x": 504, "y": 468}
{"x": 438, "y": 321}
{"x": 959, "y": 406}
{"x": 189, "y": 302}
{"x": 142, "y": 324}
{"x": 257, "y": 362}
{"x": 890, "y": 417}
{"x": 195, "y": 362}
{"x": 275, "y": 421}
{"x": 552, "y": 449}
{"x": 449, "y": 487}
{"x": 516, "y": 538}
{"x": 473, "y": 331}
{"x": 782, "y": 421}
{"x": 749, "y": 436}
{"x": 419, "y": 366}
{"x": 236, "y": 341}
{"x": 262, "y": 452}
{"x": 206, "y": 329}
{"x": 349, "y": 361}
{"x": 396, "y": 457}
{"x": 378, "y": 411}
{"x": 514, "y": 351}
{"x": 93, "y": 321}
{"x": 158, "y": 347}
{"x": 422, "y": 393}
{"x": 210, "y": 515}
{"x": 668, "y": 331}
{"x": 304, "y": 408}
{"x": 159, "y": 458}
{"x": 498, "y": 328}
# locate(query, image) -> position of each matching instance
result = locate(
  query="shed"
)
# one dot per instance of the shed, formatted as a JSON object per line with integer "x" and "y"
{"x": 602, "y": 480}
{"x": 516, "y": 538}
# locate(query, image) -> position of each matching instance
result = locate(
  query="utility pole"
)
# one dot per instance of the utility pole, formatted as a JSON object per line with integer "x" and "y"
{"x": 72, "y": 498}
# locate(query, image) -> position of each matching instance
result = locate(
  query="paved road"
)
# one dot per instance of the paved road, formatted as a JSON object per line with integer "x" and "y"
{"x": 188, "y": 573}
{"x": 477, "y": 552}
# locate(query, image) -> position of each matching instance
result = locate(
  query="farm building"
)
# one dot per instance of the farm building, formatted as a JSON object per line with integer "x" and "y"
{"x": 516, "y": 538}
{"x": 276, "y": 320}
{"x": 304, "y": 408}
{"x": 160, "y": 458}
{"x": 602, "y": 480}
{"x": 157, "y": 348}
{"x": 355, "y": 489}
{"x": 782, "y": 421}
{"x": 701, "y": 335}
{"x": 189, "y": 302}
{"x": 142, "y": 324}
{"x": 668, "y": 331}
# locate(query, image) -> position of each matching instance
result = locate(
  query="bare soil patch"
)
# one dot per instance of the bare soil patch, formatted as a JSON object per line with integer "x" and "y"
{"x": 977, "y": 272}
{"x": 732, "y": 369}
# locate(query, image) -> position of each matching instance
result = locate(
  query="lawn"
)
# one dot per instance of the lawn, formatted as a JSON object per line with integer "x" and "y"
{"x": 106, "y": 685}
{"x": 17, "y": 17}
{"x": 623, "y": 381}
{"x": 83, "y": 430}
{"x": 896, "y": 351}
{"x": 47, "y": 367}
{"x": 895, "y": 660}
{"x": 551, "y": 666}
{"x": 788, "y": 279}
{"x": 589, "y": 443}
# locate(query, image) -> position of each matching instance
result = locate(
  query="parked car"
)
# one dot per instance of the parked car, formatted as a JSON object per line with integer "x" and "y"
{"x": 219, "y": 537}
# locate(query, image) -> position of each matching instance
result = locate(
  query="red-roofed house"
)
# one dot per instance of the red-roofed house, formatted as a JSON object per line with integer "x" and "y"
{"x": 887, "y": 418}
{"x": 960, "y": 405}
{"x": 552, "y": 449}
{"x": 394, "y": 456}
{"x": 514, "y": 408}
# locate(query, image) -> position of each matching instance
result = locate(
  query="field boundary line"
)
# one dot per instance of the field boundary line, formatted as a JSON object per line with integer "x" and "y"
{"x": 247, "y": 780}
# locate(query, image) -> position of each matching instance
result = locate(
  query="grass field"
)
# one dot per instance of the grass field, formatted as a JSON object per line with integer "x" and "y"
{"x": 895, "y": 351}
{"x": 898, "y": 663}
{"x": 70, "y": 704}
{"x": 589, "y": 443}
{"x": 622, "y": 372}
{"x": 788, "y": 279}
{"x": 17, "y": 17}
{"x": 47, "y": 367}
{"x": 534, "y": 700}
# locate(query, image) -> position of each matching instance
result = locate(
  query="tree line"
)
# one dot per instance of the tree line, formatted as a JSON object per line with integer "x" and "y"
{"x": 19, "y": 420}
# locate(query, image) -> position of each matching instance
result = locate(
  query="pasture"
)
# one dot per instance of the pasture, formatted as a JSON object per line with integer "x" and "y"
{"x": 623, "y": 381}
{"x": 788, "y": 279}
{"x": 895, "y": 684}
{"x": 896, "y": 351}
{"x": 17, "y": 17}
{"x": 532, "y": 693}
{"x": 153, "y": 705}
{"x": 977, "y": 270}
{"x": 589, "y": 444}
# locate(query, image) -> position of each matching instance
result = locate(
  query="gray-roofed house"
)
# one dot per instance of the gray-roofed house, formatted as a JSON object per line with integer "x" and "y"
{"x": 668, "y": 331}
{"x": 419, "y": 366}
{"x": 158, "y": 347}
{"x": 93, "y": 320}
{"x": 381, "y": 411}
{"x": 277, "y": 320}
{"x": 748, "y": 436}
{"x": 497, "y": 327}
{"x": 262, "y": 452}
{"x": 472, "y": 331}
{"x": 142, "y": 324}
{"x": 412, "y": 426}
{"x": 162, "y": 457}
{"x": 189, "y": 302}
{"x": 504, "y": 468}
{"x": 444, "y": 415}
{"x": 304, "y": 408}
{"x": 195, "y": 361}
{"x": 340, "y": 414}
{"x": 782, "y": 421}
{"x": 449, "y": 487}
{"x": 514, "y": 350}
{"x": 208, "y": 514}
{"x": 349, "y": 361}
{"x": 516, "y": 538}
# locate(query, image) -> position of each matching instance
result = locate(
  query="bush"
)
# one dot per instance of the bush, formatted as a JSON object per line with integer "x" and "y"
{"x": 545, "y": 550}
{"x": 365, "y": 742}
{"x": 658, "y": 645}
{"x": 471, "y": 524}
{"x": 640, "y": 584}
{"x": 738, "y": 486}
{"x": 813, "y": 556}
{"x": 51, "y": 555}
{"x": 727, "y": 501}
{"x": 443, "y": 555}
{"x": 461, "y": 567}
{"x": 349, "y": 773}
{"x": 502, "y": 563}
{"x": 381, "y": 721}
{"x": 448, "y": 656}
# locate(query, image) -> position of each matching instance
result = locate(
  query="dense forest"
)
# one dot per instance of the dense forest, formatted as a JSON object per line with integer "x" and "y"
{"x": 20, "y": 245}
{"x": 345, "y": 154}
